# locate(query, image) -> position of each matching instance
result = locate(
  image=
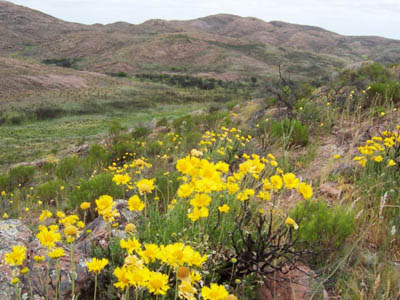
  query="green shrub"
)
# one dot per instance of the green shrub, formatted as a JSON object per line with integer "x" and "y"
{"x": 167, "y": 186}
{"x": 183, "y": 124}
{"x": 68, "y": 167}
{"x": 48, "y": 167}
{"x": 322, "y": 228}
{"x": 153, "y": 148}
{"x": 388, "y": 91}
{"x": 98, "y": 156}
{"x": 118, "y": 150}
{"x": 49, "y": 190}
{"x": 5, "y": 182}
{"x": 21, "y": 175}
{"x": 93, "y": 188}
{"x": 140, "y": 132}
{"x": 162, "y": 122}
{"x": 293, "y": 132}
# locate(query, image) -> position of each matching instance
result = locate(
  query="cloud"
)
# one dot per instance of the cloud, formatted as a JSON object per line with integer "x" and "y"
{"x": 356, "y": 17}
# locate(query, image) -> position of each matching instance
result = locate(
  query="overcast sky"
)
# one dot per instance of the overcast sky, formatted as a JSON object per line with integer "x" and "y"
{"x": 349, "y": 17}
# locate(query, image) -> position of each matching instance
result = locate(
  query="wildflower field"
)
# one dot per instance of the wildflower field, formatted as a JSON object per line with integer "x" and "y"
{"x": 221, "y": 204}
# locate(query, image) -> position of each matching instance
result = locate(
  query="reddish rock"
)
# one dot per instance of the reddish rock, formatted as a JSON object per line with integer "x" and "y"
{"x": 296, "y": 284}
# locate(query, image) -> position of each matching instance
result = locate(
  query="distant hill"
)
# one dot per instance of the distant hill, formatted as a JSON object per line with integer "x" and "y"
{"x": 221, "y": 46}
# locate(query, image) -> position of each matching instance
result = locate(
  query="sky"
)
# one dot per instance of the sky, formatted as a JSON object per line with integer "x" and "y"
{"x": 347, "y": 17}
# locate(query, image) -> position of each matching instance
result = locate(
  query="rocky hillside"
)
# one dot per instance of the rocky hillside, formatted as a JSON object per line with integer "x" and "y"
{"x": 221, "y": 46}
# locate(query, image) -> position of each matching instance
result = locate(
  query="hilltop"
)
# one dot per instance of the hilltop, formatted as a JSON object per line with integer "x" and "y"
{"x": 220, "y": 46}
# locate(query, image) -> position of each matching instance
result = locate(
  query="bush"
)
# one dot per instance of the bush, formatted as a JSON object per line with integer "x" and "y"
{"x": 98, "y": 156}
{"x": 68, "y": 167}
{"x": 292, "y": 132}
{"x": 49, "y": 191}
{"x": 46, "y": 113}
{"x": 4, "y": 182}
{"x": 162, "y": 122}
{"x": 389, "y": 91}
{"x": 21, "y": 175}
{"x": 118, "y": 150}
{"x": 322, "y": 228}
{"x": 153, "y": 148}
{"x": 183, "y": 124}
{"x": 140, "y": 132}
{"x": 91, "y": 189}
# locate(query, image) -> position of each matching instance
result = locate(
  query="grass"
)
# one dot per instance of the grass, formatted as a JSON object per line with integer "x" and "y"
{"x": 31, "y": 140}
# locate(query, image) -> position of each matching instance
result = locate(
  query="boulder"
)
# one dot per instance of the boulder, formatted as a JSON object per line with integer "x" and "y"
{"x": 12, "y": 233}
{"x": 295, "y": 284}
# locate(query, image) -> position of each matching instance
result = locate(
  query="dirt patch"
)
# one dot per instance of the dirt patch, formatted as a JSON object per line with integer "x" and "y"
{"x": 56, "y": 81}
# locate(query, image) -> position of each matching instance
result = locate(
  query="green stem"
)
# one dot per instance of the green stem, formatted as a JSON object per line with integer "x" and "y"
{"x": 17, "y": 292}
{"x": 57, "y": 279}
{"x": 30, "y": 287}
{"x": 127, "y": 293}
{"x": 73, "y": 271}
{"x": 95, "y": 286}
{"x": 47, "y": 279}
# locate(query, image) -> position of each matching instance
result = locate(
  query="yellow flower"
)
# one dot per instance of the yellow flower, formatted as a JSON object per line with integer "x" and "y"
{"x": 336, "y": 156}
{"x": 105, "y": 202}
{"x": 182, "y": 273}
{"x": 24, "y": 270}
{"x": 306, "y": 190}
{"x": 223, "y": 209}
{"x": 16, "y": 257}
{"x": 185, "y": 190}
{"x": 135, "y": 203}
{"x": 71, "y": 230}
{"x": 3, "y": 193}
{"x": 157, "y": 283}
{"x": 198, "y": 213}
{"x": 377, "y": 158}
{"x": 186, "y": 290}
{"x": 276, "y": 182}
{"x": 290, "y": 222}
{"x": 122, "y": 275}
{"x": 150, "y": 253}
{"x": 145, "y": 185}
{"x": 214, "y": 292}
{"x": 290, "y": 180}
{"x": 38, "y": 258}
{"x": 130, "y": 245}
{"x": 45, "y": 215}
{"x": 130, "y": 227}
{"x": 15, "y": 280}
{"x": 5, "y": 216}
{"x": 57, "y": 253}
{"x": 273, "y": 163}
{"x": 69, "y": 220}
{"x": 243, "y": 196}
{"x": 391, "y": 163}
{"x": 96, "y": 265}
{"x": 48, "y": 238}
{"x": 85, "y": 205}
{"x": 80, "y": 224}
{"x": 264, "y": 195}
{"x": 121, "y": 179}
{"x": 200, "y": 200}
{"x": 60, "y": 214}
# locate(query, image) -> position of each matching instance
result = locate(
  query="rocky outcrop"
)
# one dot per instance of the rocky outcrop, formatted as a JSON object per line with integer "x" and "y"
{"x": 297, "y": 284}
{"x": 95, "y": 234}
{"x": 12, "y": 232}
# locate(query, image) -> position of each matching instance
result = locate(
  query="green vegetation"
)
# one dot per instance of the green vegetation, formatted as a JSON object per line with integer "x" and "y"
{"x": 250, "y": 188}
